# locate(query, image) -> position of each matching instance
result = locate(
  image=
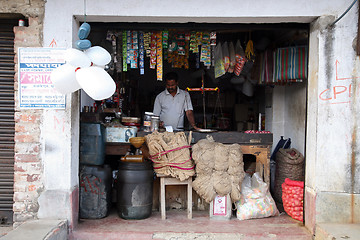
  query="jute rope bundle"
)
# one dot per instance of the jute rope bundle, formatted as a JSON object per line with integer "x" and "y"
{"x": 170, "y": 154}
{"x": 219, "y": 169}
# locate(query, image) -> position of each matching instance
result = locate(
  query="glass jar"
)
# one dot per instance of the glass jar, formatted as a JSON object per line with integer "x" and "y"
{"x": 155, "y": 121}
{"x": 147, "y": 121}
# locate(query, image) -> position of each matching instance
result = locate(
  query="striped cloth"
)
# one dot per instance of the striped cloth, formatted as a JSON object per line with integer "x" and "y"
{"x": 267, "y": 67}
{"x": 291, "y": 64}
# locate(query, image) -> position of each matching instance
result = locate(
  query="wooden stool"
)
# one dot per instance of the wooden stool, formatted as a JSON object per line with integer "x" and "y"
{"x": 168, "y": 180}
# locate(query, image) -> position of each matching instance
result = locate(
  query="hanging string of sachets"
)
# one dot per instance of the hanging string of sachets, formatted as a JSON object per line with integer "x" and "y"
{"x": 172, "y": 46}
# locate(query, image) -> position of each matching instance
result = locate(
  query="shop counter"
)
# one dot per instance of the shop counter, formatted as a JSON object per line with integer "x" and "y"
{"x": 257, "y": 144}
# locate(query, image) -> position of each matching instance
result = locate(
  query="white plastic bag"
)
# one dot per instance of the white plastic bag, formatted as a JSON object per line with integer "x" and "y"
{"x": 219, "y": 61}
{"x": 256, "y": 200}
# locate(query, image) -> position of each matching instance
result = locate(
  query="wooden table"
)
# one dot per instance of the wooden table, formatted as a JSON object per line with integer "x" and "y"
{"x": 258, "y": 145}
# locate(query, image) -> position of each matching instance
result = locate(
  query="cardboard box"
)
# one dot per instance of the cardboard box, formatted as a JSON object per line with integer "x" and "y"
{"x": 120, "y": 134}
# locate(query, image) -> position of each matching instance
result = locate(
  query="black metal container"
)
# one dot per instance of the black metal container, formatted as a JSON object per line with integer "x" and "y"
{"x": 135, "y": 190}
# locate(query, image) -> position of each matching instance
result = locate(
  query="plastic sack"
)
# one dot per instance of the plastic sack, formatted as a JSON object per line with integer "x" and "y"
{"x": 98, "y": 55}
{"x": 232, "y": 58}
{"x": 96, "y": 82}
{"x": 239, "y": 58}
{"x": 293, "y": 198}
{"x": 226, "y": 56}
{"x": 219, "y": 61}
{"x": 256, "y": 200}
{"x": 64, "y": 79}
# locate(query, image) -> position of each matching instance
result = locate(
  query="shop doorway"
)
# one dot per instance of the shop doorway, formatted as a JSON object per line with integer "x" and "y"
{"x": 235, "y": 108}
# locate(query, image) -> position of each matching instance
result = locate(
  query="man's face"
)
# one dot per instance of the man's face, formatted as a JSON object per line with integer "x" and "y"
{"x": 171, "y": 86}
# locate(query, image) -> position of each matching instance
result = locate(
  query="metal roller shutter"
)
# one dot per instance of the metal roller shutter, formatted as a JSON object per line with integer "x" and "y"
{"x": 7, "y": 124}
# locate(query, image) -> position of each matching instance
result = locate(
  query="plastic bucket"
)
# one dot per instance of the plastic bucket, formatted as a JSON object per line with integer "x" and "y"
{"x": 95, "y": 191}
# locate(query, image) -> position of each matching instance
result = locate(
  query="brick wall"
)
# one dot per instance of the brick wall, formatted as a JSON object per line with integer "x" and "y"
{"x": 28, "y": 169}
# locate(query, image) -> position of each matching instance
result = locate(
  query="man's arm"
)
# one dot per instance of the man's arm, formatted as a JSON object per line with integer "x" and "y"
{"x": 157, "y": 106}
{"x": 190, "y": 117}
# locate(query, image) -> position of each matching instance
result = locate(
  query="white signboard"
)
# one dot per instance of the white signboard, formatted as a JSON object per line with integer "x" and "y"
{"x": 36, "y": 90}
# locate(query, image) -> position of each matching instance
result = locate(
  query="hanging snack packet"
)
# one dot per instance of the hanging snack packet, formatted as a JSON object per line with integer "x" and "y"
{"x": 124, "y": 52}
{"x": 165, "y": 38}
{"x": 193, "y": 42}
{"x": 147, "y": 40}
{"x": 232, "y": 57}
{"x": 134, "y": 52}
{"x": 128, "y": 46}
{"x": 141, "y": 53}
{"x": 205, "y": 54}
{"x": 159, "y": 63}
{"x": 153, "y": 51}
{"x": 199, "y": 38}
{"x": 213, "y": 38}
{"x": 181, "y": 43}
{"x": 226, "y": 56}
{"x": 239, "y": 58}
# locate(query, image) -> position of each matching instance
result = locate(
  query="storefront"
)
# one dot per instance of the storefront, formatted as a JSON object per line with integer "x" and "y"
{"x": 308, "y": 112}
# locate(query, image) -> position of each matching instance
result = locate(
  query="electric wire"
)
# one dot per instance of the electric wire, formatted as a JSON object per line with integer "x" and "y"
{"x": 347, "y": 10}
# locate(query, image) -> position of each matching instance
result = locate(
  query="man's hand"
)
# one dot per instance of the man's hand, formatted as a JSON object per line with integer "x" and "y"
{"x": 196, "y": 128}
{"x": 190, "y": 117}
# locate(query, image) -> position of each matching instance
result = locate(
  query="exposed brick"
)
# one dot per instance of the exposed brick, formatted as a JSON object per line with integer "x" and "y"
{"x": 33, "y": 177}
{"x": 19, "y": 207}
{"x": 32, "y": 187}
{"x": 26, "y": 117}
{"x": 35, "y": 167}
{"x": 22, "y": 217}
{"x": 27, "y": 148}
{"x": 27, "y": 167}
{"x": 26, "y": 158}
{"x": 20, "y": 187}
{"x": 20, "y": 177}
{"x": 24, "y": 138}
{"x": 32, "y": 207}
{"x": 21, "y": 196}
{"x": 18, "y": 167}
{"x": 20, "y": 128}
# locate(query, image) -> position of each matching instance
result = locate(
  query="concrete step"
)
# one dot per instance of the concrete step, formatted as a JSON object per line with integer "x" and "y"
{"x": 334, "y": 231}
{"x": 45, "y": 229}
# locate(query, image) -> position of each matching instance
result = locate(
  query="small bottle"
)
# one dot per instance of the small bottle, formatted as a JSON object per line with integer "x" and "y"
{"x": 21, "y": 23}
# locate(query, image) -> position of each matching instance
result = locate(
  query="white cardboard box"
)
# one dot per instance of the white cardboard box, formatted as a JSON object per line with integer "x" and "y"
{"x": 120, "y": 134}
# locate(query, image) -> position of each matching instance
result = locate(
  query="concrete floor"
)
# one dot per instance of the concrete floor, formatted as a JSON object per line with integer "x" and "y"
{"x": 178, "y": 227}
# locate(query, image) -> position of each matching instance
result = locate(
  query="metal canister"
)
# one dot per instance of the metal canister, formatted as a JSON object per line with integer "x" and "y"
{"x": 147, "y": 121}
{"x": 155, "y": 121}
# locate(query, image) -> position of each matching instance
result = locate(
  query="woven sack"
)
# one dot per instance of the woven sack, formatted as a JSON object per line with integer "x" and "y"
{"x": 289, "y": 164}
